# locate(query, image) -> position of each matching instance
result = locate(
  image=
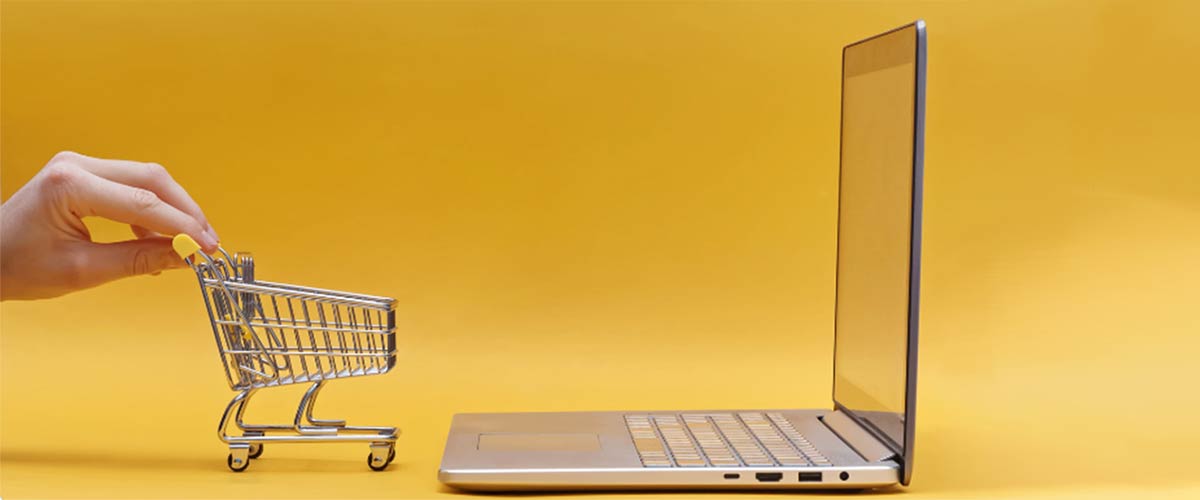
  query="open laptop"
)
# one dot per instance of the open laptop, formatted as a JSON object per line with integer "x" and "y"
{"x": 866, "y": 440}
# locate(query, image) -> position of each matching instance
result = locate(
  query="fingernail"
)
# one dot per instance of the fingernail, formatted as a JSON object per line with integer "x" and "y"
{"x": 214, "y": 234}
{"x": 210, "y": 240}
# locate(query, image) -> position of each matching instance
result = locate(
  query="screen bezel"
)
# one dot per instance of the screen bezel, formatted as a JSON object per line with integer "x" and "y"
{"x": 904, "y": 452}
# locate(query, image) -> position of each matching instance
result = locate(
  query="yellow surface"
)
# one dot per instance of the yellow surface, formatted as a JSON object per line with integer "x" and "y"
{"x": 616, "y": 206}
{"x": 184, "y": 245}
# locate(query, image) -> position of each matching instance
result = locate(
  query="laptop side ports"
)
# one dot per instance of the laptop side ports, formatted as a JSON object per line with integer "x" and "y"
{"x": 810, "y": 477}
{"x": 768, "y": 477}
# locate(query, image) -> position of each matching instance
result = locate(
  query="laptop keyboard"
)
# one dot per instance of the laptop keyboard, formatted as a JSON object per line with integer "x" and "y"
{"x": 720, "y": 440}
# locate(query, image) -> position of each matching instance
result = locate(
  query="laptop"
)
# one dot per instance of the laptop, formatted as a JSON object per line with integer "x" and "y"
{"x": 866, "y": 439}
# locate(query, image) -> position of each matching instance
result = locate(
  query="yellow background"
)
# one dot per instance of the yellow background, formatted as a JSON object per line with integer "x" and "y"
{"x": 617, "y": 206}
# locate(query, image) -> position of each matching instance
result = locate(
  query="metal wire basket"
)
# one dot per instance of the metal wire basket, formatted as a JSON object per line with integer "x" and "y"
{"x": 273, "y": 334}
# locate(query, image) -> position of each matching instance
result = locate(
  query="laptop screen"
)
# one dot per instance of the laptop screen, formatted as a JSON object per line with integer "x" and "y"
{"x": 878, "y": 252}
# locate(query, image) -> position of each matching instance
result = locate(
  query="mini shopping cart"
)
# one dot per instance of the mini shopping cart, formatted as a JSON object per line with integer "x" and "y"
{"x": 272, "y": 334}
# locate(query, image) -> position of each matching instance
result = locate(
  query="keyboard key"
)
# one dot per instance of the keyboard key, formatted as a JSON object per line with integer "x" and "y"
{"x": 776, "y": 445}
{"x": 678, "y": 442}
{"x": 645, "y": 445}
{"x": 743, "y": 444}
{"x": 718, "y": 453}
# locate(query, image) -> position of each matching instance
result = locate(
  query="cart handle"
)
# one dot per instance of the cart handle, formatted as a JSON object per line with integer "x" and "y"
{"x": 186, "y": 247}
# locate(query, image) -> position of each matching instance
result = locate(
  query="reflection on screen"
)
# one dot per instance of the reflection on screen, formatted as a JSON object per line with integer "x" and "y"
{"x": 874, "y": 224}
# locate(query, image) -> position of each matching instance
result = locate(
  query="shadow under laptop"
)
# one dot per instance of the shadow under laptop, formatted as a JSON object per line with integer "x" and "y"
{"x": 684, "y": 493}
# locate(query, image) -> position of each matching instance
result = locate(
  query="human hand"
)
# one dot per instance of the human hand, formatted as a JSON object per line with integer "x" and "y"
{"x": 47, "y": 251}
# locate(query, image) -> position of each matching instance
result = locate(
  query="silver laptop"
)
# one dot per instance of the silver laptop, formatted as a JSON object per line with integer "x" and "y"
{"x": 866, "y": 439}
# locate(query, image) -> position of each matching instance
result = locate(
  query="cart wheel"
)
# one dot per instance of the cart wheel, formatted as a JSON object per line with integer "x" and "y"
{"x": 371, "y": 463}
{"x": 256, "y": 450}
{"x": 236, "y": 468}
{"x": 391, "y": 454}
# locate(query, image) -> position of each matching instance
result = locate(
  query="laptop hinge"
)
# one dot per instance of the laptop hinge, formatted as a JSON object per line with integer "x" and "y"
{"x": 858, "y": 438}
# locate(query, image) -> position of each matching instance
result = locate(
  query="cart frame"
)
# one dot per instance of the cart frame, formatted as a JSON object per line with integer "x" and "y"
{"x": 333, "y": 335}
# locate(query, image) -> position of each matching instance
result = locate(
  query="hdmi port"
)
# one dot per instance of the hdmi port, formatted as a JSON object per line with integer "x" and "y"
{"x": 768, "y": 477}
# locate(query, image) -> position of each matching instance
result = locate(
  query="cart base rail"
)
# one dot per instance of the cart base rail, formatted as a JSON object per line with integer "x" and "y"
{"x": 316, "y": 377}
{"x": 304, "y": 429}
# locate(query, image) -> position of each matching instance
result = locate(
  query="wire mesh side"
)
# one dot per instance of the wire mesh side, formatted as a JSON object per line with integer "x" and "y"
{"x": 305, "y": 334}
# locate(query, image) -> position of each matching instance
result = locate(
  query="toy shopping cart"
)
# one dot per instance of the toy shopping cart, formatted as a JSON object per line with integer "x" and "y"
{"x": 272, "y": 334}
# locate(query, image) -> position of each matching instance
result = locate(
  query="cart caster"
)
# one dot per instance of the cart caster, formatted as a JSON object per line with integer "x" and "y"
{"x": 376, "y": 460}
{"x": 374, "y": 463}
{"x": 256, "y": 449}
{"x": 239, "y": 457}
{"x": 241, "y": 466}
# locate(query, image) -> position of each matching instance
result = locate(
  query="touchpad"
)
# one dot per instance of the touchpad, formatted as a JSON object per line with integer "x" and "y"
{"x": 538, "y": 442}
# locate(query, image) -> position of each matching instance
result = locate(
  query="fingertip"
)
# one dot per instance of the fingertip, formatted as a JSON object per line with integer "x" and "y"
{"x": 213, "y": 232}
{"x": 209, "y": 241}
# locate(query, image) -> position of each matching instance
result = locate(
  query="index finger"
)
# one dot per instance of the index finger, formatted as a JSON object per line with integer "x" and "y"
{"x": 149, "y": 176}
{"x": 93, "y": 195}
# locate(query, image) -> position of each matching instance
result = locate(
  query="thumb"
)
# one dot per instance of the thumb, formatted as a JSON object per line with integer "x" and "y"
{"x": 104, "y": 262}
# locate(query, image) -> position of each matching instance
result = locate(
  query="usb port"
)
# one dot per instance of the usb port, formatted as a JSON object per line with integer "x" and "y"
{"x": 768, "y": 477}
{"x": 810, "y": 477}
